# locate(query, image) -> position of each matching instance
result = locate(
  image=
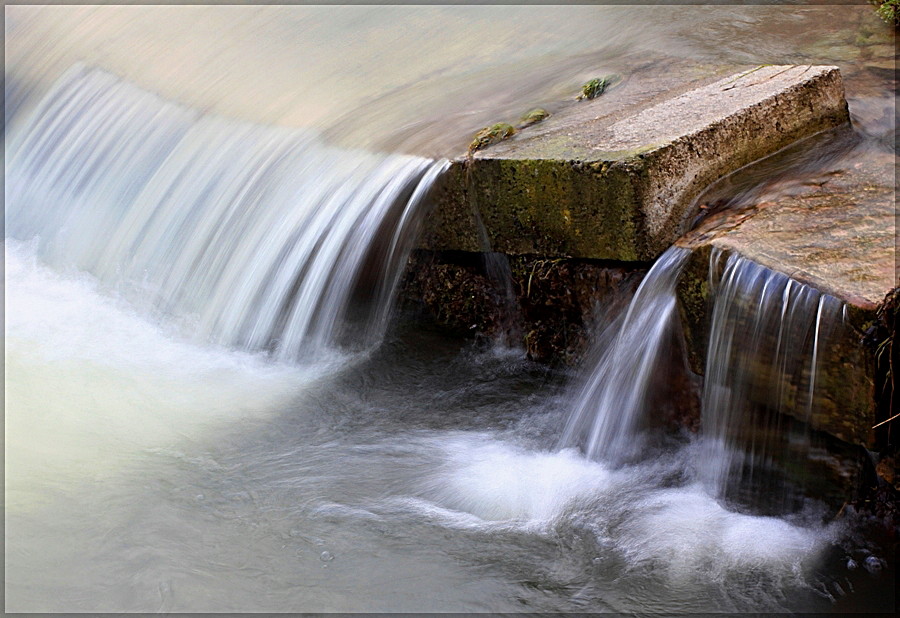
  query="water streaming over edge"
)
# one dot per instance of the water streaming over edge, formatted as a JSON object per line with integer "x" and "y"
{"x": 255, "y": 237}
{"x": 611, "y": 404}
{"x": 660, "y": 529}
{"x": 765, "y": 335}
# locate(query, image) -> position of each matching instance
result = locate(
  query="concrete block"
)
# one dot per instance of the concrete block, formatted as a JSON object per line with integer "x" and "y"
{"x": 616, "y": 177}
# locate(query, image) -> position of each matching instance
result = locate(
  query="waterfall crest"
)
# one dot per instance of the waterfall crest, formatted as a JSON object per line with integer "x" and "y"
{"x": 260, "y": 238}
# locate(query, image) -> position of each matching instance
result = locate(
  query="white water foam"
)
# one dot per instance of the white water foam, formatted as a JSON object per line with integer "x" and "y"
{"x": 90, "y": 383}
{"x": 679, "y": 531}
{"x": 499, "y": 481}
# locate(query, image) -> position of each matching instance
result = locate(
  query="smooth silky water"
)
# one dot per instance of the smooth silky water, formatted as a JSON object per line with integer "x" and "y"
{"x": 183, "y": 433}
{"x": 147, "y": 474}
{"x": 767, "y": 332}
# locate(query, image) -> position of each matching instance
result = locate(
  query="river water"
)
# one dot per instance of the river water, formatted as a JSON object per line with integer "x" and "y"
{"x": 152, "y": 469}
{"x": 144, "y": 473}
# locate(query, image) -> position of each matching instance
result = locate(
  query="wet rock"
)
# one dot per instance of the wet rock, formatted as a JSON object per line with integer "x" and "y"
{"x": 533, "y": 117}
{"x": 547, "y": 306}
{"x": 873, "y": 564}
{"x": 886, "y": 468}
{"x": 836, "y": 236}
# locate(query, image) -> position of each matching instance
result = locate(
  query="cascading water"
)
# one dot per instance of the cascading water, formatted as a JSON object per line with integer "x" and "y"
{"x": 255, "y": 237}
{"x": 611, "y": 404}
{"x": 148, "y": 473}
{"x": 766, "y": 335}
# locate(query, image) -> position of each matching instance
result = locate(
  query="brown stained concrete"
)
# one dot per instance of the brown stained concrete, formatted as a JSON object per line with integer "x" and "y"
{"x": 838, "y": 236}
{"x": 615, "y": 177}
{"x": 837, "y": 233}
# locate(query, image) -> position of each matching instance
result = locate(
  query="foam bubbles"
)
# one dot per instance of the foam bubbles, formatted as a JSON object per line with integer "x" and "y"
{"x": 499, "y": 481}
{"x": 687, "y": 532}
{"x": 672, "y": 529}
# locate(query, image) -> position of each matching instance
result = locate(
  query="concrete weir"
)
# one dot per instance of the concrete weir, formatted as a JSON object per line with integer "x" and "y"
{"x": 577, "y": 207}
{"x": 615, "y": 177}
{"x": 580, "y": 202}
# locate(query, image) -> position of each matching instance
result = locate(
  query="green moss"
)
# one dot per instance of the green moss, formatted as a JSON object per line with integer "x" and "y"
{"x": 693, "y": 303}
{"x": 888, "y": 10}
{"x": 533, "y": 117}
{"x": 491, "y": 135}
{"x": 557, "y": 208}
{"x": 595, "y": 87}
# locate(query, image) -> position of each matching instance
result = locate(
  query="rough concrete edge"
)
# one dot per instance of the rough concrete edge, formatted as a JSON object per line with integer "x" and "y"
{"x": 822, "y": 97}
{"x": 463, "y": 186}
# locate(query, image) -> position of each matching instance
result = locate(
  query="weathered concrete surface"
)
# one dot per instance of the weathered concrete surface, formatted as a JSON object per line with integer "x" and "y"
{"x": 838, "y": 236}
{"x": 835, "y": 232}
{"x": 615, "y": 177}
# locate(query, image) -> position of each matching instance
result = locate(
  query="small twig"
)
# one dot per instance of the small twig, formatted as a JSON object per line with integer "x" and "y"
{"x": 841, "y": 512}
{"x": 530, "y": 275}
{"x": 743, "y": 75}
{"x": 887, "y": 421}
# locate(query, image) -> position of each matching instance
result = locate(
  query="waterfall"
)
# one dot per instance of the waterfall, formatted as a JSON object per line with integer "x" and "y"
{"x": 766, "y": 334}
{"x": 611, "y": 403}
{"x": 260, "y": 238}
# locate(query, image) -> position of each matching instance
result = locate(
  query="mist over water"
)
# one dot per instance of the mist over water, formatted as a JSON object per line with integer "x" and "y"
{"x": 165, "y": 454}
{"x": 90, "y": 381}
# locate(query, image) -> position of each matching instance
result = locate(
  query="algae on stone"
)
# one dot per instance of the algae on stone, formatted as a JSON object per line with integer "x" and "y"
{"x": 622, "y": 186}
{"x": 595, "y": 87}
{"x": 888, "y": 10}
{"x": 491, "y": 135}
{"x": 533, "y": 117}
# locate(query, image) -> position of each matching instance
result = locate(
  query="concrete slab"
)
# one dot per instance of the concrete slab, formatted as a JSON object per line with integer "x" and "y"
{"x": 836, "y": 232}
{"x": 839, "y": 236}
{"x": 615, "y": 177}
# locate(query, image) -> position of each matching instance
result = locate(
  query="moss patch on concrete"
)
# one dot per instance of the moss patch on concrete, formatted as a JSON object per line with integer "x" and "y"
{"x": 491, "y": 135}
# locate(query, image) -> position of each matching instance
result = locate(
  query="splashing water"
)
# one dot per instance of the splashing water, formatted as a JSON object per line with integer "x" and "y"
{"x": 137, "y": 477}
{"x": 254, "y": 237}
